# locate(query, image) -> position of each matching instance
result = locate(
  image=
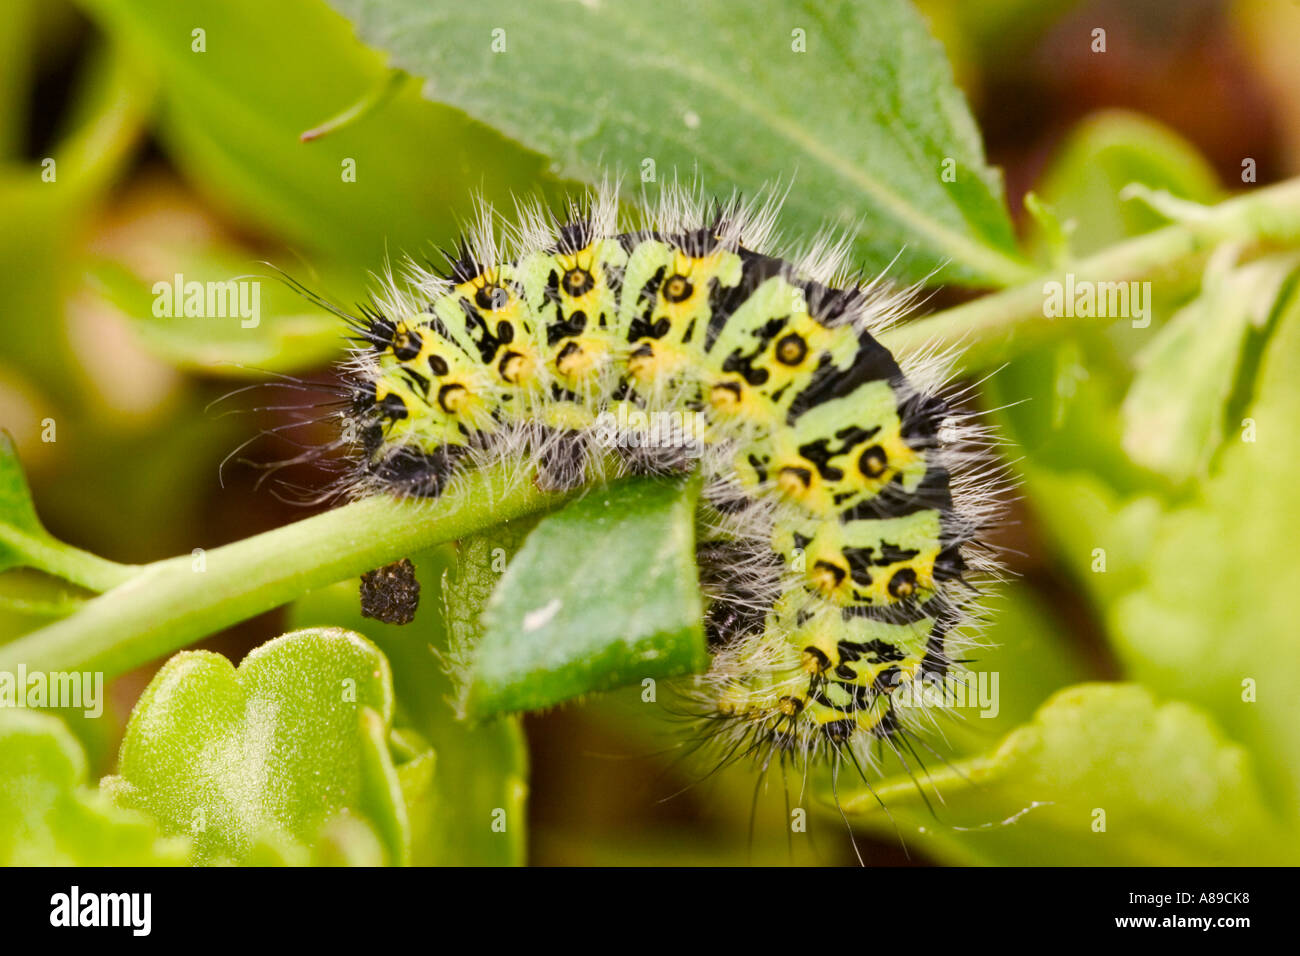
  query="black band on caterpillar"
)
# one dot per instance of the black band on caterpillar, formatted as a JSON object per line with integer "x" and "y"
{"x": 844, "y": 498}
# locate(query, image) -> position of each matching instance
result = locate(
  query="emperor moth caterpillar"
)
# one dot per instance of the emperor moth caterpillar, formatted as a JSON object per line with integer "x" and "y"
{"x": 845, "y": 499}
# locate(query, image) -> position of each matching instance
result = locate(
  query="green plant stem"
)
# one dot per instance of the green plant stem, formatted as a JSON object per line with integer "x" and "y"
{"x": 170, "y": 604}
{"x": 990, "y": 329}
{"x": 71, "y": 564}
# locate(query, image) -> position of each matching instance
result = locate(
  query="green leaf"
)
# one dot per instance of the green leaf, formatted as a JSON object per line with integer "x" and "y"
{"x": 480, "y": 767}
{"x": 1166, "y": 785}
{"x": 1107, "y": 152}
{"x": 1173, "y": 414}
{"x": 417, "y": 778}
{"x": 1196, "y": 591}
{"x": 602, "y": 594}
{"x": 467, "y": 586}
{"x": 282, "y": 331}
{"x": 269, "y": 754}
{"x": 1061, "y": 400}
{"x": 1211, "y": 616}
{"x": 49, "y": 817}
{"x": 1055, "y": 234}
{"x": 723, "y": 89}
{"x": 24, "y": 542}
{"x": 22, "y": 538}
{"x": 233, "y": 128}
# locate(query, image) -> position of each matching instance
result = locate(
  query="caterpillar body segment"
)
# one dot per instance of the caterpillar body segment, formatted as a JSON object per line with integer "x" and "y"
{"x": 838, "y": 548}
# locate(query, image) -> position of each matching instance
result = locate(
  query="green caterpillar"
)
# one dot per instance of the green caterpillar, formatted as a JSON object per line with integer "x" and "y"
{"x": 838, "y": 541}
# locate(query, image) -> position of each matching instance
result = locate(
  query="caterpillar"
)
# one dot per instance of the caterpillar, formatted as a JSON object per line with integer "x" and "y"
{"x": 846, "y": 496}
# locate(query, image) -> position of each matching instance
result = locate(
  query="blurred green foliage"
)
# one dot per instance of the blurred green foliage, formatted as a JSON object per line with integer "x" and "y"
{"x": 50, "y": 817}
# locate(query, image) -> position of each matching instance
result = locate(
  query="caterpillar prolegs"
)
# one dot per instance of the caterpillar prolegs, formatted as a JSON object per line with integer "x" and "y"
{"x": 844, "y": 499}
